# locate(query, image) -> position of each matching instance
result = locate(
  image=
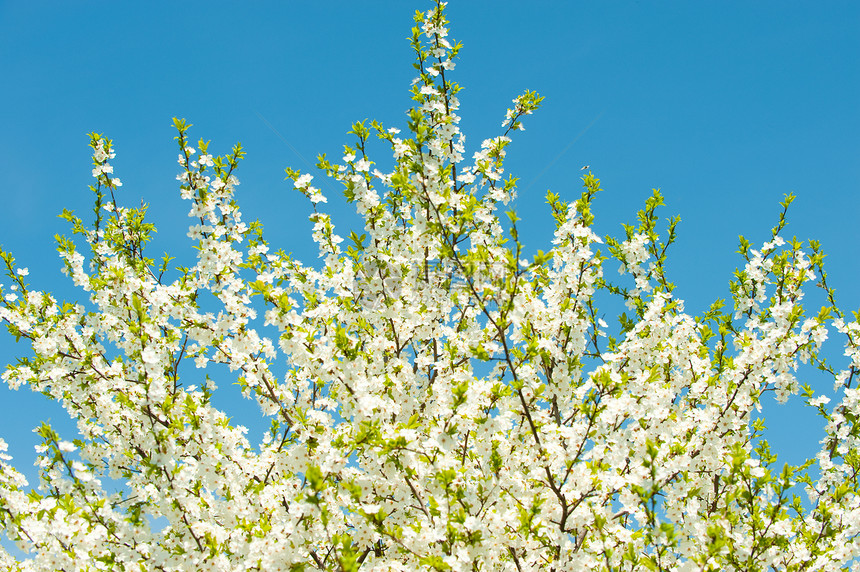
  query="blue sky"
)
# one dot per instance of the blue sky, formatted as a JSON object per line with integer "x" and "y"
{"x": 725, "y": 106}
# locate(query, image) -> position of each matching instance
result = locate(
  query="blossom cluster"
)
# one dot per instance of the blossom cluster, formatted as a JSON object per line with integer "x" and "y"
{"x": 436, "y": 399}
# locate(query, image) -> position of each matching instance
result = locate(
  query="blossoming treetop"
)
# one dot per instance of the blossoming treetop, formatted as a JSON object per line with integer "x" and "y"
{"x": 436, "y": 401}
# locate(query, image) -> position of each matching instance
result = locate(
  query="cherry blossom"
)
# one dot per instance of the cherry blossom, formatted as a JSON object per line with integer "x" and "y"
{"x": 436, "y": 398}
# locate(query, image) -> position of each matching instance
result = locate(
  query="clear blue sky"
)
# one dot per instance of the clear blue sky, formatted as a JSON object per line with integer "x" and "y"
{"x": 726, "y": 106}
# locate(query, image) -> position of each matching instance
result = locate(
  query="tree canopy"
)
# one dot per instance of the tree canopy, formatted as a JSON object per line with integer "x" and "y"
{"x": 436, "y": 400}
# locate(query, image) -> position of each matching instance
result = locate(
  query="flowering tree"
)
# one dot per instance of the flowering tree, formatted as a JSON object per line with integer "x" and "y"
{"x": 435, "y": 400}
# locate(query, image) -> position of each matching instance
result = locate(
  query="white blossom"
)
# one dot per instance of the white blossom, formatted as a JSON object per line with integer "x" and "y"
{"x": 434, "y": 396}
